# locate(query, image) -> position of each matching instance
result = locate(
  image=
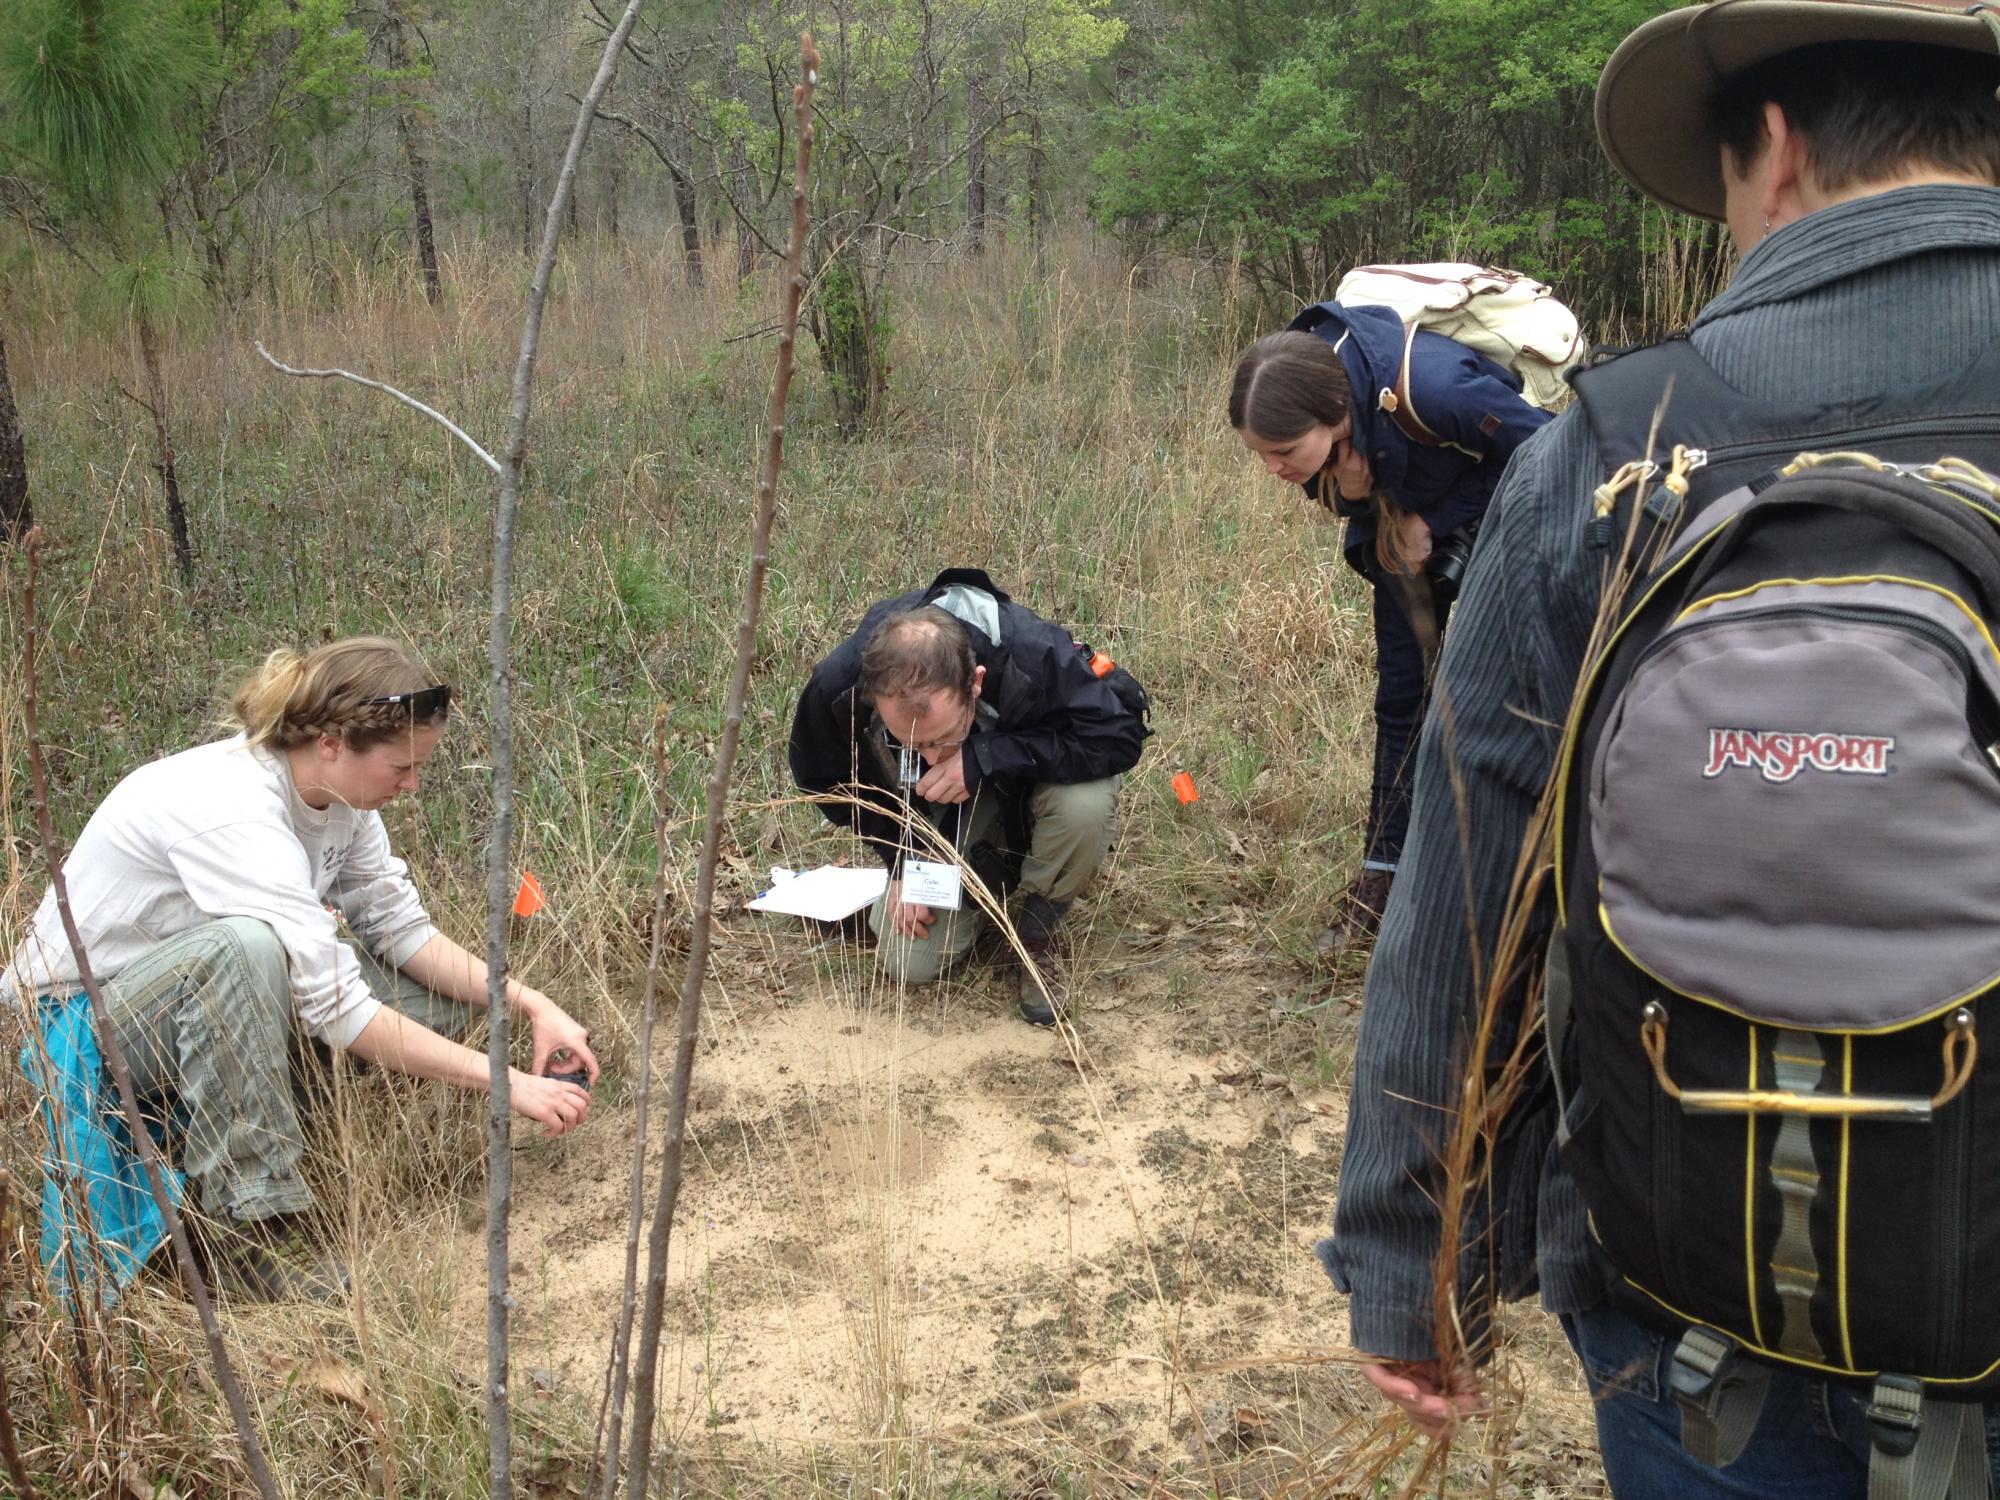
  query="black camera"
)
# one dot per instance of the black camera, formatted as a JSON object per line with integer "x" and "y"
{"x": 1445, "y": 567}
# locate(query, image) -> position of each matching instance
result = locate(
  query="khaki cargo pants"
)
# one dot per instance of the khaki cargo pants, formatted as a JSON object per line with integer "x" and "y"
{"x": 206, "y": 1023}
{"x": 1072, "y": 830}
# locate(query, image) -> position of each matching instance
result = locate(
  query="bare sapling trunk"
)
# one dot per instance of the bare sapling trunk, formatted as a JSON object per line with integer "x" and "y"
{"x": 499, "y": 847}
{"x": 639, "y": 1455}
{"x": 163, "y": 446}
{"x": 17, "y": 512}
{"x": 114, "y": 1056}
{"x": 621, "y": 1342}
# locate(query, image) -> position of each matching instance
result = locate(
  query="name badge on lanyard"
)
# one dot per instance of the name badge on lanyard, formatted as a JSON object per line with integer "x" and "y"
{"x": 927, "y": 882}
{"x": 932, "y": 883}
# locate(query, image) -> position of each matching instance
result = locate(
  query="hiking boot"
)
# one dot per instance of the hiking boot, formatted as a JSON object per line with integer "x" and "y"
{"x": 271, "y": 1260}
{"x": 1046, "y": 997}
{"x": 1358, "y": 918}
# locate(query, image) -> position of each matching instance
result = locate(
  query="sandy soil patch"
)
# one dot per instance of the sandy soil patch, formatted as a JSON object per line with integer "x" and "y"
{"x": 914, "y": 1214}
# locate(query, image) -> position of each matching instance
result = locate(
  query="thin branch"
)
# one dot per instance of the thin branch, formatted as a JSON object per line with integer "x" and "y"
{"x": 778, "y": 147}
{"x": 680, "y": 172}
{"x": 630, "y": 45}
{"x": 388, "y": 390}
{"x": 498, "y": 863}
{"x": 639, "y": 1461}
{"x": 135, "y": 398}
{"x": 114, "y": 1055}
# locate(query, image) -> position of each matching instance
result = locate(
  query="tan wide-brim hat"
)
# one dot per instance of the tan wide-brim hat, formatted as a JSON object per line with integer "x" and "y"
{"x": 1652, "y": 102}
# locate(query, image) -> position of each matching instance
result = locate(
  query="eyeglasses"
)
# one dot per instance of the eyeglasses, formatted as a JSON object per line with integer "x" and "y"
{"x": 426, "y": 704}
{"x": 934, "y": 750}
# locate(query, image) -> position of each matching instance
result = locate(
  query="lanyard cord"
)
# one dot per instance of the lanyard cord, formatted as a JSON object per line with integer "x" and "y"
{"x": 906, "y": 778}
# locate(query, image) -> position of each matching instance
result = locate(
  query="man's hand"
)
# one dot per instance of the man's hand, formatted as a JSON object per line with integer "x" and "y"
{"x": 1413, "y": 536}
{"x": 945, "y": 781}
{"x": 1431, "y": 1400}
{"x": 907, "y": 918}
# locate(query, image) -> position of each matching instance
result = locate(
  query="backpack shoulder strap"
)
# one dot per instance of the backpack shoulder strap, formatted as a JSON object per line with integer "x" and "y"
{"x": 1623, "y": 399}
{"x": 1397, "y": 403}
{"x": 1400, "y": 407}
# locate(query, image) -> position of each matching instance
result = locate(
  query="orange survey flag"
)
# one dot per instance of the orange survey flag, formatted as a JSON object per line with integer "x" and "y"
{"x": 1184, "y": 788}
{"x": 529, "y": 899}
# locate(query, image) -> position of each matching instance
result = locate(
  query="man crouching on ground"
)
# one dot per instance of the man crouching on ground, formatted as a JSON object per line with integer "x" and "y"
{"x": 990, "y": 723}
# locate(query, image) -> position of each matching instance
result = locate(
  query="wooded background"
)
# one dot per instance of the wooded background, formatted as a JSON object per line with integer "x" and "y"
{"x": 189, "y": 153}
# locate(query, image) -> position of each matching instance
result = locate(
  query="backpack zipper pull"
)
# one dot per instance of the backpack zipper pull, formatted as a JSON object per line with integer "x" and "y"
{"x": 1685, "y": 462}
{"x": 1597, "y": 536}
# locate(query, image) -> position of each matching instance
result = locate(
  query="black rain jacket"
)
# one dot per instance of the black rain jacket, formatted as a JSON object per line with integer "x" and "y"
{"x": 1044, "y": 717}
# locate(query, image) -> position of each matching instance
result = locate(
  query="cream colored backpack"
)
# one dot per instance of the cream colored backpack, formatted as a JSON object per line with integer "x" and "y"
{"x": 1512, "y": 319}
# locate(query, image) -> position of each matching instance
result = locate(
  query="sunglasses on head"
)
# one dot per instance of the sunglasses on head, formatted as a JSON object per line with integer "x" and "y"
{"x": 425, "y": 704}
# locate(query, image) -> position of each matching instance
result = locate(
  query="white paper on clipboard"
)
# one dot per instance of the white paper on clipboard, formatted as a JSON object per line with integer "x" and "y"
{"x": 828, "y": 894}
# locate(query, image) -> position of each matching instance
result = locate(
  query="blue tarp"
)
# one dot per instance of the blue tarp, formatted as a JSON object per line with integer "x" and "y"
{"x": 93, "y": 1187}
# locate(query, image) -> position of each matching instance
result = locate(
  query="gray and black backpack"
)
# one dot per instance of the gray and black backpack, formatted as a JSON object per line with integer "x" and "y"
{"x": 1775, "y": 997}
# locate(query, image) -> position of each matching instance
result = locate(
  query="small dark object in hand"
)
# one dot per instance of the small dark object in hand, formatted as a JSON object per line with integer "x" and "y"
{"x": 578, "y": 1076}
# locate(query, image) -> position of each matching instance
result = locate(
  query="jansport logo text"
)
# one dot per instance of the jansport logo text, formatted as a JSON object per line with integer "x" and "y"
{"x": 1782, "y": 754}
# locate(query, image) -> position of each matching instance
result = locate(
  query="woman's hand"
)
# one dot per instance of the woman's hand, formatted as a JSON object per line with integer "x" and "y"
{"x": 1413, "y": 539}
{"x": 1353, "y": 476}
{"x": 559, "y": 1107}
{"x": 556, "y": 1033}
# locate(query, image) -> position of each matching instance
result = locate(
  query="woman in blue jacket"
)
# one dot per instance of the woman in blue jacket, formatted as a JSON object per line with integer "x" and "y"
{"x": 1404, "y": 435}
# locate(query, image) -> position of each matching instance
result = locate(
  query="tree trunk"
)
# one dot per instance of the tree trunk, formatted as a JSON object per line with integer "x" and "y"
{"x": 975, "y": 169}
{"x": 163, "y": 448}
{"x": 16, "y": 511}
{"x": 524, "y": 173}
{"x": 215, "y": 273}
{"x": 420, "y": 205}
{"x": 690, "y": 223}
{"x": 740, "y": 191}
{"x": 413, "y": 158}
{"x": 1035, "y": 185}
{"x": 614, "y": 179}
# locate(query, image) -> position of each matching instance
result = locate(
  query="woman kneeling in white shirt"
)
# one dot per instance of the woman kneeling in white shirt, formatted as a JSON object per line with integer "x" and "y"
{"x": 205, "y": 888}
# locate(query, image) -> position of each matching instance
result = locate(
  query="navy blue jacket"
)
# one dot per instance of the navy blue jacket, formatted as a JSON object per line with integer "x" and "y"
{"x": 1468, "y": 400}
{"x": 1044, "y": 716}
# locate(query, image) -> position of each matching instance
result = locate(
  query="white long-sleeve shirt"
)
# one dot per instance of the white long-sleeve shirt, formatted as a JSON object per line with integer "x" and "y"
{"x": 220, "y": 831}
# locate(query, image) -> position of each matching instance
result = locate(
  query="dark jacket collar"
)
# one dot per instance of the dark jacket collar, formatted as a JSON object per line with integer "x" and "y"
{"x": 1372, "y": 353}
{"x": 971, "y": 577}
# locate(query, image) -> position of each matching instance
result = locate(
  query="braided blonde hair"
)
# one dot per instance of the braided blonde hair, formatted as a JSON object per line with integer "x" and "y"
{"x": 293, "y": 699}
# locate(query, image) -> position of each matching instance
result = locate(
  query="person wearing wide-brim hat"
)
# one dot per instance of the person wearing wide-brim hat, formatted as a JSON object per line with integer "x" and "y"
{"x": 1853, "y": 149}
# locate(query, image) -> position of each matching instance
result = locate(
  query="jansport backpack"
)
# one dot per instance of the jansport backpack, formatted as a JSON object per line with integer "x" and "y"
{"x": 1774, "y": 999}
{"x": 1512, "y": 319}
